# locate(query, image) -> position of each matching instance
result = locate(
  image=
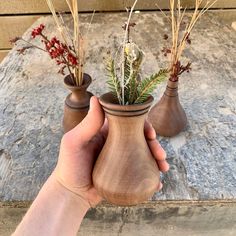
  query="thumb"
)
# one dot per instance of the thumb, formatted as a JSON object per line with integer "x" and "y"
{"x": 91, "y": 124}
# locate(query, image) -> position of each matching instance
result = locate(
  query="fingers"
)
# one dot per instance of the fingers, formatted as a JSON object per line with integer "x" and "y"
{"x": 163, "y": 166}
{"x": 157, "y": 150}
{"x": 91, "y": 124}
{"x": 149, "y": 131}
{"x": 159, "y": 154}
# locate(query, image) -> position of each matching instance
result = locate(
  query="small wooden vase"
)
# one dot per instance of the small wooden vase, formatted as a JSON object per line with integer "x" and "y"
{"x": 125, "y": 172}
{"x": 77, "y": 103}
{"x": 168, "y": 116}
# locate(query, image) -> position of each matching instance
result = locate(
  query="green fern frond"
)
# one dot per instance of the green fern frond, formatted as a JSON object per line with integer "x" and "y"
{"x": 113, "y": 82}
{"x": 128, "y": 71}
{"x": 132, "y": 69}
{"x": 148, "y": 85}
{"x": 133, "y": 89}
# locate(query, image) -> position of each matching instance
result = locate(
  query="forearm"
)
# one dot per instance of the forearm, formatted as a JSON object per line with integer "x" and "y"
{"x": 55, "y": 211}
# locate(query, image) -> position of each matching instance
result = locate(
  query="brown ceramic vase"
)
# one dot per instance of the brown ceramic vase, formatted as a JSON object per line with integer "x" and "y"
{"x": 77, "y": 103}
{"x": 168, "y": 116}
{"x": 125, "y": 172}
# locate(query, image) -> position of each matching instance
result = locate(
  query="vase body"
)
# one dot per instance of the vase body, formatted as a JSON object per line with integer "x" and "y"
{"x": 77, "y": 102}
{"x": 125, "y": 172}
{"x": 168, "y": 116}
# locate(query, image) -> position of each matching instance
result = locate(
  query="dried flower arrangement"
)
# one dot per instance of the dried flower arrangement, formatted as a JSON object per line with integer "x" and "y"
{"x": 115, "y": 176}
{"x": 168, "y": 116}
{"x": 181, "y": 34}
{"x": 68, "y": 52}
{"x": 124, "y": 74}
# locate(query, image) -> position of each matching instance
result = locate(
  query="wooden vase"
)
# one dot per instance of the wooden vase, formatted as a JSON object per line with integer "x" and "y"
{"x": 168, "y": 116}
{"x": 125, "y": 172}
{"x": 77, "y": 102}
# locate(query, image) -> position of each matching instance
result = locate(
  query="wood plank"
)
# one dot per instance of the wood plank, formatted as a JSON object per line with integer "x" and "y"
{"x": 40, "y": 6}
{"x": 172, "y": 219}
{"x": 227, "y": 16}
{"x": 3, "y": 53}
{"x": 12, "y": 26}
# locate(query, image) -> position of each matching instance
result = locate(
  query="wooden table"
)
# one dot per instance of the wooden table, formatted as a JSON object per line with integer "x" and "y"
{"x": 199, "y": 194}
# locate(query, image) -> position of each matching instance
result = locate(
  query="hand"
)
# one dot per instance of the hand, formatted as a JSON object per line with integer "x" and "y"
{"x": 80, "y": 148}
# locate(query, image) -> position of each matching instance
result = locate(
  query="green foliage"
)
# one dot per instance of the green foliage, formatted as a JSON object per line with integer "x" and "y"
{"x": 135, "y": 90}
{"x": 113, "y": 82}
{"x": 148, "y": 85}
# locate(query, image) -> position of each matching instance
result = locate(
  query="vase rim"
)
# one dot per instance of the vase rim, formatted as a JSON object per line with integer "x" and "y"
{"x": 110, "y": 105}
{"x": 86, "y": 82}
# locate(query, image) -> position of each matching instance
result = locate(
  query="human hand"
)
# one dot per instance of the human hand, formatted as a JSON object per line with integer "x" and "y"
{"x": 80, "y": 148}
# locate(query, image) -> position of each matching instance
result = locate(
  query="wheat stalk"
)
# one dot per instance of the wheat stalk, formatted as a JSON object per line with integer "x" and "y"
{"x": 77, "y": 41}
{"x": 177, "y": 15}
{"x": 55, "y": 17}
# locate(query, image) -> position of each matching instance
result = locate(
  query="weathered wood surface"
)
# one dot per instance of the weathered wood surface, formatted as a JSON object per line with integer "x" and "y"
{"x": 202, "y": 159}
{"x": 164, "y": 219}
{"x": 40, "y": 6}
{"x": 3, "y": 53}
{"x": 12, "y": 26}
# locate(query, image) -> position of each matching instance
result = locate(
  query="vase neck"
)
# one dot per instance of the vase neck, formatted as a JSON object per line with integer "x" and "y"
{"x": 171, "y": 89}
{"x": 126, "y": 127}
{"x": 79, "y": 95}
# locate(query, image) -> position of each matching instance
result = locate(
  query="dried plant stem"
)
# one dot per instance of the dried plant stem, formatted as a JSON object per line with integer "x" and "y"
{"x": 123, "y": 53}
{"x": 33, "y": 45}
{"x": 70, "y": 7}
{"x": 61, "y": 30}
{"x": 68, "y": 35}
{"x": 177, "y": 15}
{"x": 59, "y": 26}
{"x": 77, "y": 40}
{"x": 91, "y": 20}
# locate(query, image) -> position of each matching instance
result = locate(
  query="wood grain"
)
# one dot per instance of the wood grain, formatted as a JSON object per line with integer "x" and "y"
{"x": 76, "y": 104}
{"x": 125, "y": 172}
{"x": 3, "y": 53}
{"x": 12, "y": 26}
{"x": 40, "y": 6}
{"x": 168, "y": 117}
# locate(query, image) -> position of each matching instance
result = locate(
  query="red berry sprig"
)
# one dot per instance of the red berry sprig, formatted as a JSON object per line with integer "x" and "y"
{"x": 63, "y": 54}
{"x": 37, "y": 31}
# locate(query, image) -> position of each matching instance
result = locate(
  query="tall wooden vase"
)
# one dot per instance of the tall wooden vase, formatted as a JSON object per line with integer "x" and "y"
{"x": 77, "y": 103}
{"x": 125, "y": 172}
{"x": 168, "y": 116}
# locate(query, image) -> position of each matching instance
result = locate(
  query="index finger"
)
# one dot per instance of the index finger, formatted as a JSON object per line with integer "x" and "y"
{"x": 149, "y": 131}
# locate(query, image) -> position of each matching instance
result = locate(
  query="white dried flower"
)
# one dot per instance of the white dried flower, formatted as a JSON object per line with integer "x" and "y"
{"x": 133, "y": 52}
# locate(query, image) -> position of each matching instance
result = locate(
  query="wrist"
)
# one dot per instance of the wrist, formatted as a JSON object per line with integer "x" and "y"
{"x": 76, "y": 200}
{"x": 55, "y": 211}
